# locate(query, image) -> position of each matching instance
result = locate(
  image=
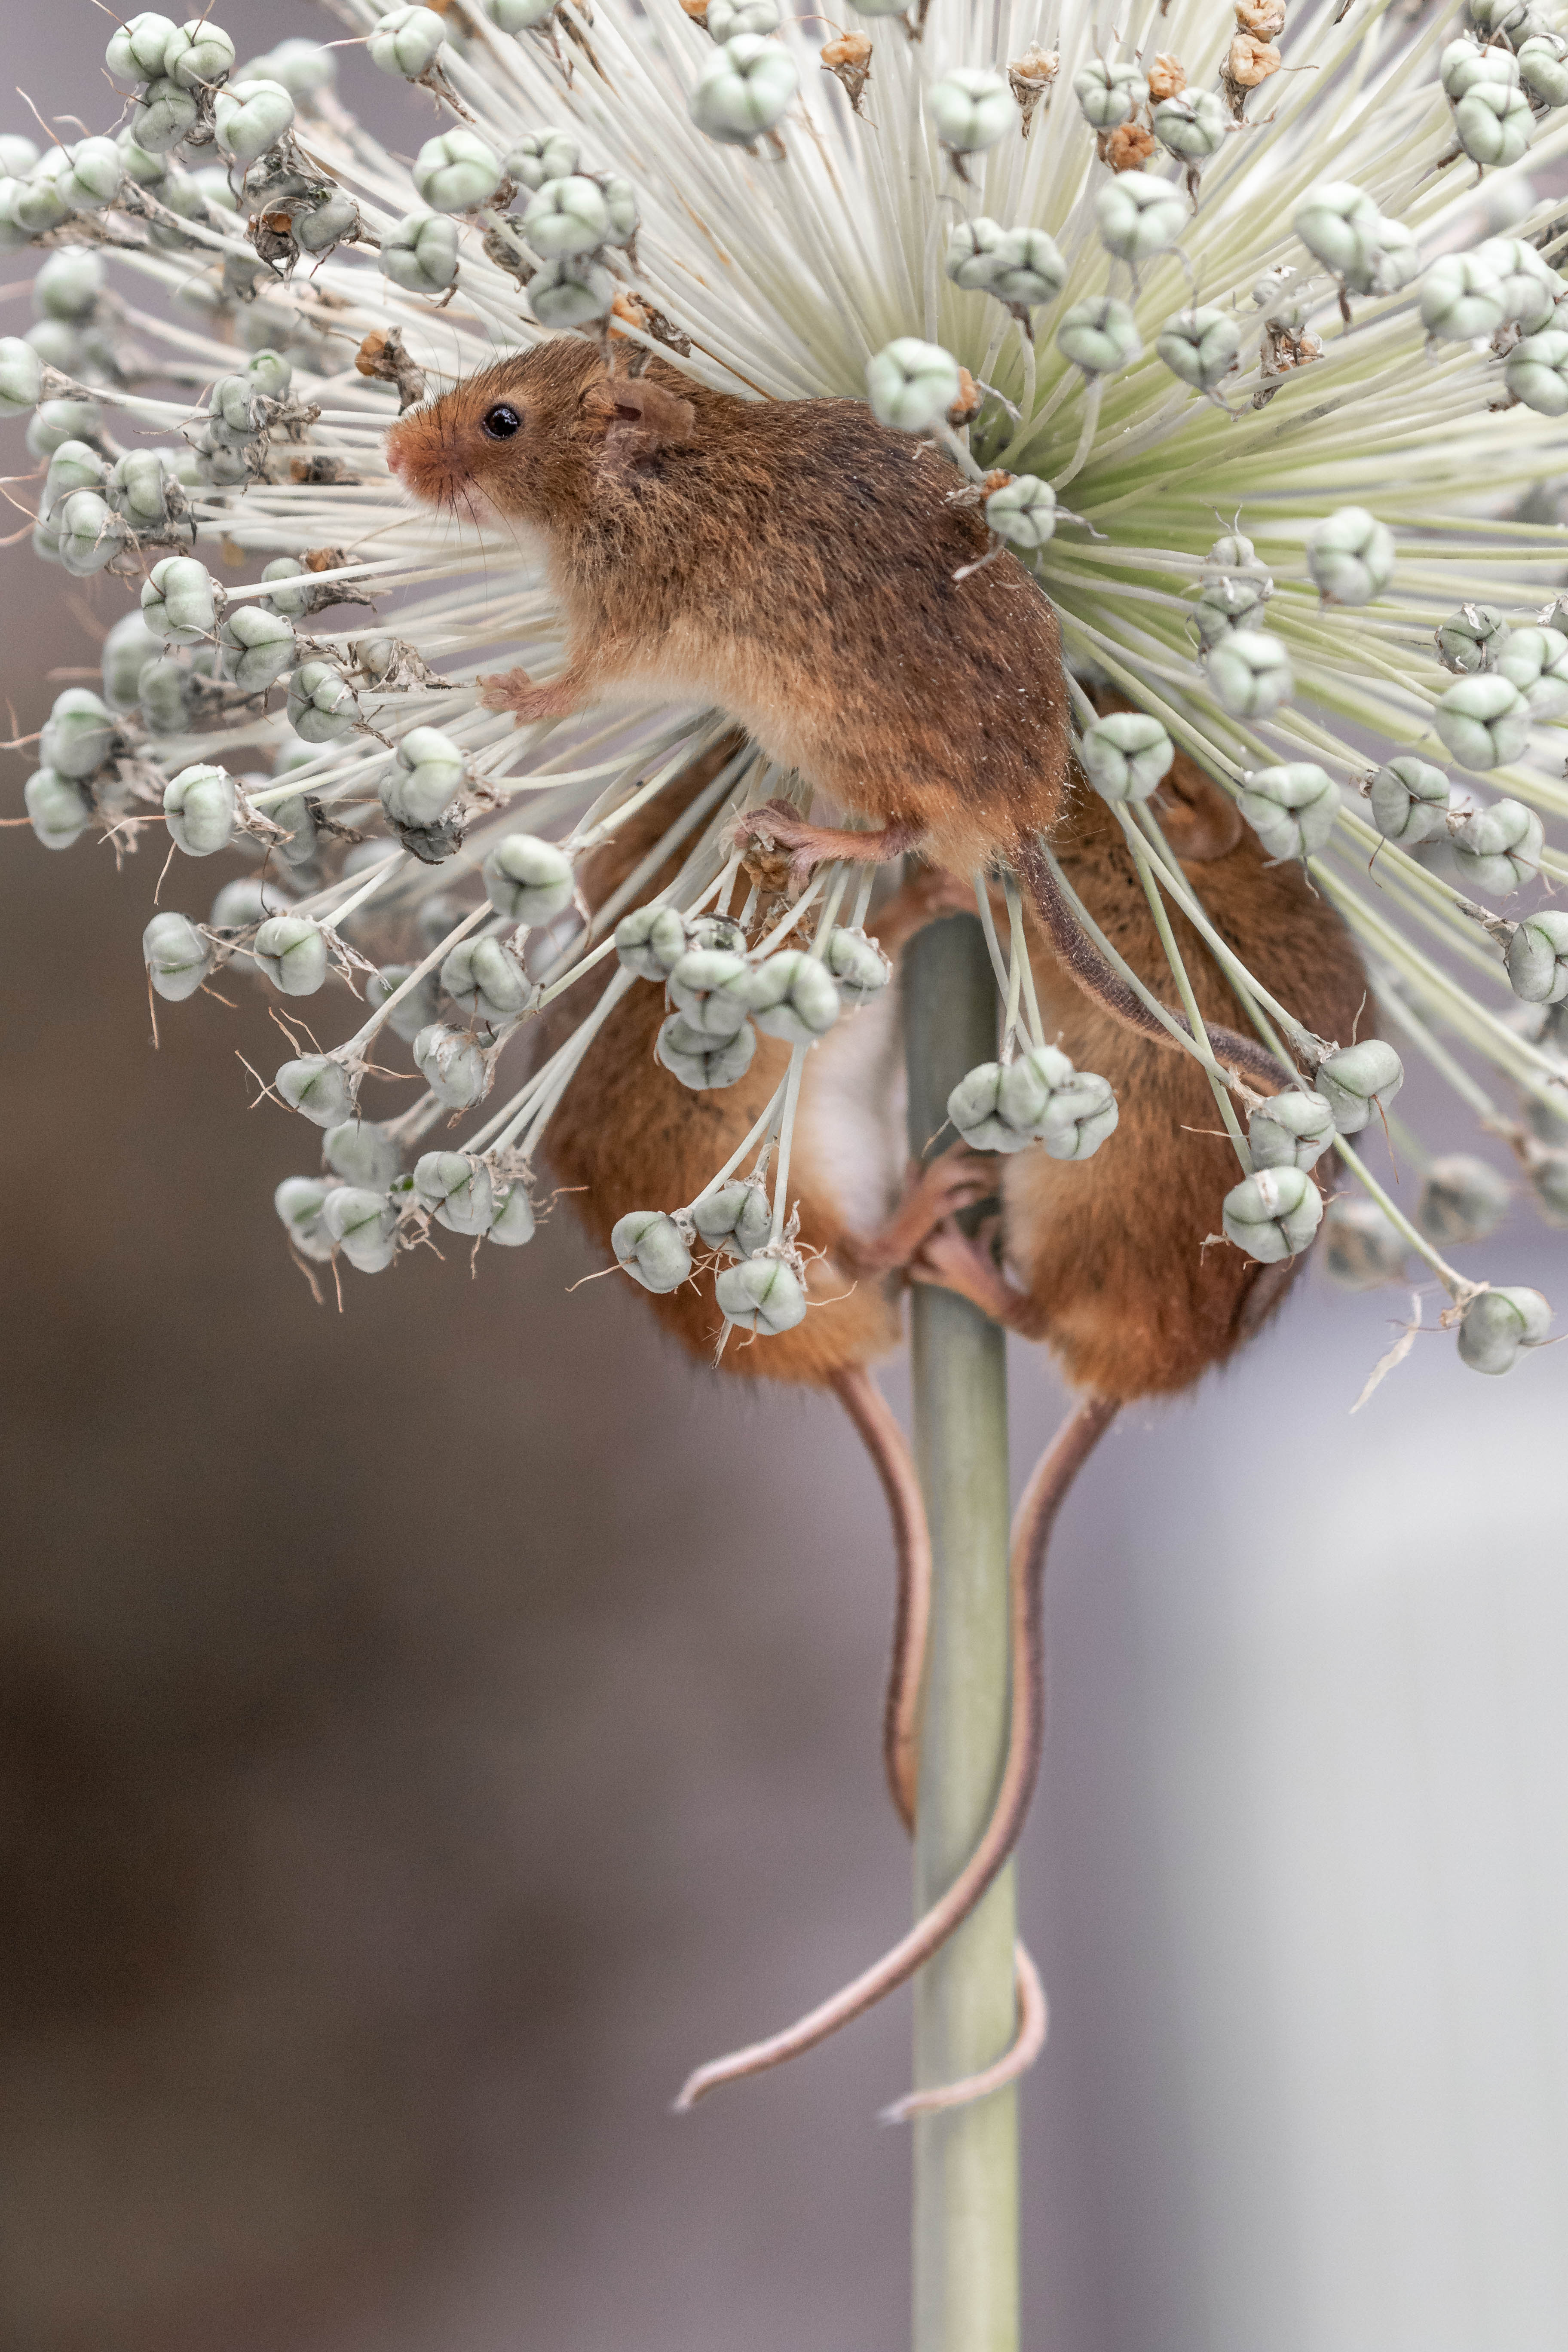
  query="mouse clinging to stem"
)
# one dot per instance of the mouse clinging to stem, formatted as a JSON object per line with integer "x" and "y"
{"x": 808, "y": 571}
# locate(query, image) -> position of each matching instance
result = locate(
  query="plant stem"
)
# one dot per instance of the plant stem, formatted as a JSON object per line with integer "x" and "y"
{"x": 966, "y": 2160}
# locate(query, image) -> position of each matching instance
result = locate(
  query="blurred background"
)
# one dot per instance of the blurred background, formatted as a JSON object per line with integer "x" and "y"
{"x": 427, "y": 1730}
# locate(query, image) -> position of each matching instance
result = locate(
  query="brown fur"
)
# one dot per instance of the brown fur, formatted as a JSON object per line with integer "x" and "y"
{"x": 789, "y": 561}
{"x": 1110, "y": 1251}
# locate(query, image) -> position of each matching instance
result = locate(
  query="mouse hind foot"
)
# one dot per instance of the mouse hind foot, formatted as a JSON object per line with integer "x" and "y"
{"x": 810, "y": 845}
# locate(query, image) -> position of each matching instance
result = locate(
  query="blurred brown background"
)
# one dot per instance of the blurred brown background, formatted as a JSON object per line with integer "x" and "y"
{"x": 427, "y": 1730}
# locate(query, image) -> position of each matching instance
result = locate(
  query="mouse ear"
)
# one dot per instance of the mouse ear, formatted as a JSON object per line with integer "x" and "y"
{"x": 639, "y": 416}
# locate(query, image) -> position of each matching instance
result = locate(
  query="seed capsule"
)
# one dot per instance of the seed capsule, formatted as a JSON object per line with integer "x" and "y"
{"x": 292, "y": 951}
{"x": 364, "y": 1224}
{"x": 1537, "y": 958}
{"x": 791, "y": 995}
{"x": 451, "y": 1065}
{"x": 248, "y": 118}
{"x": 1498, "y": 849}
{"x": 322, "y": 706}
{"x": 736, "y": 1218}
{"x": 700, "y": 1061}
{"x": 486, "y": 979}
{"x": 911, "y": 386}
{"x": 177, "y": 956}
{"x": 1361, "y": 1248}
{"x": 360, "y": 1152}
{"x": 764, "y": 1295}
{"x": 528, "y": 880}
{"x": 1291, "y": 808}
{"x": 1356, "y": 1081}
{"x": 406, "y": 42}
{"x": 1292, "y": 1129}
{"x": 652, "y": 1248}
{"x": 743, "y": 90}
{"x": 513, "y": 1223}
{"x": 1273, "y": 1215}
{"x": 1126, "y": 756}
{"x": 971, "y": 109}
{"x": 1140, "y": 215}
{"x": 299, "y": 1200}
{"x": 1462, "y": 1200}
{"x": 457, "y": 1187}
{"x": 420, "y": 253}
{"x": 857, "y": 965}
{"x": 179, "y": 600}
{"x": 1409, "y": 801}
{"x": 79, "y": 735}
{"x": 1497, "y": 1324}
{"x": 457, "y": 171}
{"x": 1350, "y": 556}
{"x": 58, "y": 810}
{"x": 651, "y": 941}
{"x": 200, "y": 805}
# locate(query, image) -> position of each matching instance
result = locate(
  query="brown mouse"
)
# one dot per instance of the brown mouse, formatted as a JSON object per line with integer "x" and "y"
{"x": 1104, "y": 1260}
{"x": 804, "y": 570}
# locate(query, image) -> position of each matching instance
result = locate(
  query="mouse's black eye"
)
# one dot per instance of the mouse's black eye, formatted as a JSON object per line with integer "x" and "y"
{"x": 502, "y": 421}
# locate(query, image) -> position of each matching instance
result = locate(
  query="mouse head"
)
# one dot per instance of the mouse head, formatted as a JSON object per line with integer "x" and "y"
{"x": 539, "y": 438}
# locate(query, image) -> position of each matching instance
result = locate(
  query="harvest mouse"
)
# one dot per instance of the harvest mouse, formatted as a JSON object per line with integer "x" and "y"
{"x": 800, "y": 567}
{"x": 1105, "y": 1261}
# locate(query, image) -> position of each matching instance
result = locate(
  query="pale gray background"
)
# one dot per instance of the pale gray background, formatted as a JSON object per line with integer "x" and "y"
{"x": 424, "y": 1733}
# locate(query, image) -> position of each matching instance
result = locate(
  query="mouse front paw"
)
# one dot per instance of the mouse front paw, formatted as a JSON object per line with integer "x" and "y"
{"x": 514, "y": 690}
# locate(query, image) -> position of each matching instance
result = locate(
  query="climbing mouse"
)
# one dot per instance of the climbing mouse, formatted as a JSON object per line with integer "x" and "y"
{"x": 808, "y": 571}
{"x": 1105, "y": 1261}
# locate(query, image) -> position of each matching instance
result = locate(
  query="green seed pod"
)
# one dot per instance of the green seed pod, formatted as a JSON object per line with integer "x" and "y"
{"x": 420, "y": 253}
{"x": 1538, "y": 957}
{"x": 1361, "y": 1249}
{"x": 1023, "y": 512}
{"x": 37, "y": 204}
{"x": 1462, "y": 1200}
{"x": 858, "y": 966}
{"x": 791, "y": 995}
{"x": 21, "y": 377}
{"x": 138, "y": 489}
{"x": 1273, "y": 1215}
{"x": 1498, "y": 849}
{"x": 1140, "y": 215}
{"x": 177, "y": 956}
{"x": 1291, "y": 808}
{"x": 652, "y": 1248}
{"x": 1249, "y": 670}
{"x": 292, "y": 951}
{"x": 427, "y": 780}
{"x": 1224, "y": 605}
{"x": 17, "y": 155}
{"x": 127, "y": 649}
{"x": 417, "y": 1011}
{"x": 1461, "y": 299}
{"x": 1473, "y": 639}
{"x": 1484, "y": 720}
{"x": 911, "y": 386}
{"x": 295, "y": 603}
{"x": 974, "y": 1107}
{"x": 703, "y": 1062}
{"x": 570, "y": 293}
{"x": 164, "y": 116}
{"x": 79, "y": 735}
{"x": 321, "y": 705}
{"x": 1292, "y": 1129}
{"x": 242, "y": 904}
{"x": 166, "y": 695}
{"x": 56, "y": 421}
{"x": 1543, "y": 67}
{"x": 1100, "y": 336}
{"x": 179, "y": 600}
{"x": 92, "y": 181}
{"x": 764, "y": 1295}
{"x": 360, "y": 1152}
{"x": 1531, "y": 287}
{"x": 1339, "y": 225}
{"x": 1409, "y": 800}
{"x": 199, "y": 54}
{"x": 1493, "y": 124}
{"x": 971, "y": 109}
{"x": 58, "y": 810}
{"x": 317, "y": 1087}
{"x": 58, "y": 345}
{"x": 321, "y": 226}
{"x": 513, "y": 1224}
{"x": 541, "y": 155}
{"x": 486, "y": 979}
{"x": 1109, "y": 95}
{"x": 137, "y": 48}
{"x": 455, "y": 172}
{"x": 737, "y": 1218}
{"x": 1497, "y": 1324}
{"x": 406, "y": 42}
{"x": 744, "y": 88}
{"x": 1465, "y": 66}
{"x": 1536, "y": 661}
{"x": 256, "y": 646}
{"x": 457, "y": 1187}
{"x": 726, "y": 18}
{"x": 1356, "y": 1081}
{"x": 519, "y": 17}
{"x": 250, "y": 117}
{"x": 200, "y": 805}
{"x": 1508, "y": 20}
{"x": 530, "y": 881}
{"x": 1070, "y": 1111}
{"x": 713, "y": 987}
{"x": 651, "y": 941}
{"x": 1537, "y": 371}
{"x": 299, "y": 1201}
{"x": 1125, "y": 756}
{"x": 566, "y": 218}
{"x": 89, "y": 531}
{"x": 621, "y": 204}
{"x": 1191, "y": 126}
{"x": 452, "y": 1066}
{"x": 68, "y": 285}
{"x": 364, "y": 1224}
{"x": 1200, "y": 346}
{"x": 1350, "y": 557}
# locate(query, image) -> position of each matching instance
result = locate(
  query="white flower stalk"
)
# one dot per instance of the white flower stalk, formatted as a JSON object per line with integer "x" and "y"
{"x": 1394, "y": 382}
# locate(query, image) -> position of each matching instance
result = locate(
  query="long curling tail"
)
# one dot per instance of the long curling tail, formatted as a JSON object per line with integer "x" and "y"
{"x": 1082, "y": 960}
{"x": 1043, "y": 1499}
{"x": 885, "y": 1442}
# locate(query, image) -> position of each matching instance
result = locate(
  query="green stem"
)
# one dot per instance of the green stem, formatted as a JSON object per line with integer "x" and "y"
{"x": 966, "y": 2159}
